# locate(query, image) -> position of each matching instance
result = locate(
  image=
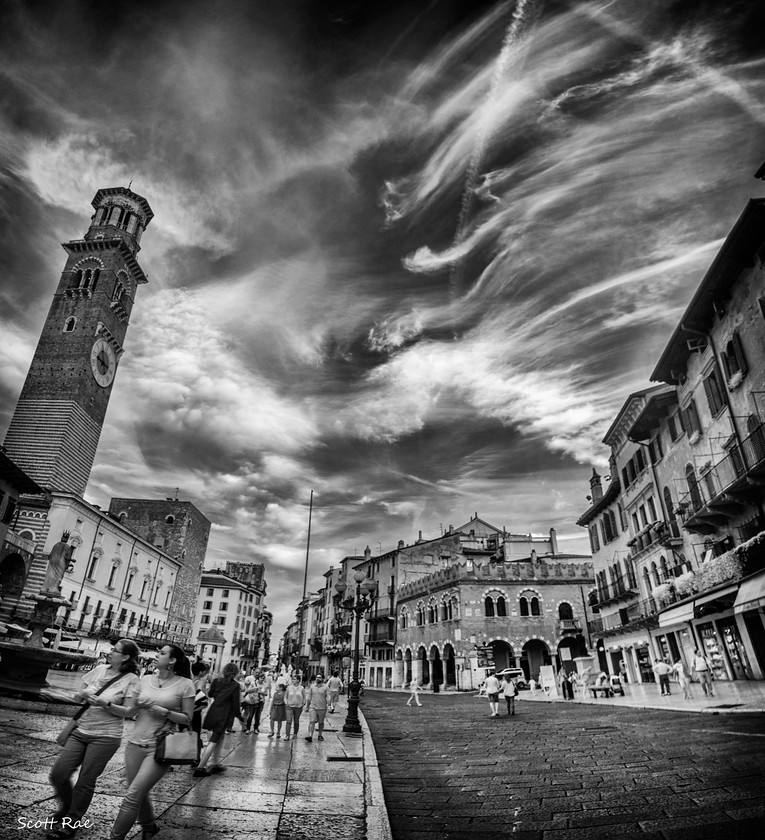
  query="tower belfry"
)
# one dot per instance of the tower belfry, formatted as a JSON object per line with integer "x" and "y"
{"x": 55, "y": 428}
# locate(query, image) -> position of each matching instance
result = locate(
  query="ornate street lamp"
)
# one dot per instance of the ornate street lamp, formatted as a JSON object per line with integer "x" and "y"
{"x": 358, "y": 604}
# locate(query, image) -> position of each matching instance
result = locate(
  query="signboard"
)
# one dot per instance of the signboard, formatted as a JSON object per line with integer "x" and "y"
{"x": 485, "y": 657}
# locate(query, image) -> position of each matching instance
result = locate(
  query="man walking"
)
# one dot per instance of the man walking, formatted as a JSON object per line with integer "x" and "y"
{"x": 335, "y": 686}
{"x": 316, "y": 705}
{"x": 702, "y": 669}
{"x": 492, "y": 692}
{"x": 662, "y": 671}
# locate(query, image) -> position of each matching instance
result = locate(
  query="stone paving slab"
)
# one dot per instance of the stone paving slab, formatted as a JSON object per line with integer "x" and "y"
{"x": 566, "y": 771}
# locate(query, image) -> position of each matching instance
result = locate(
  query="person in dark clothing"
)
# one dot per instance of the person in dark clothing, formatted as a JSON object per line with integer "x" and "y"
{"x": 220, "y": 717}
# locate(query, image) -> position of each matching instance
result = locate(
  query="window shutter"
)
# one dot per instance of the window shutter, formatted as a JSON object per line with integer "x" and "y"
{"x": 739, "y": 351}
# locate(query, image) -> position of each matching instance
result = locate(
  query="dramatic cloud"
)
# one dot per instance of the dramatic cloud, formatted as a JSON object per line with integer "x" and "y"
{"x": 411, "y": 258}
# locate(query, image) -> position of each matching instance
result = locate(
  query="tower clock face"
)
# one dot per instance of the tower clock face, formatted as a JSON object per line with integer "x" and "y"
{"x": 103, "y": 362}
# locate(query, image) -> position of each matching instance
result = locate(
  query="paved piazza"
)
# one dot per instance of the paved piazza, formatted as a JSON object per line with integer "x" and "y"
{"x": 566, "y": 771}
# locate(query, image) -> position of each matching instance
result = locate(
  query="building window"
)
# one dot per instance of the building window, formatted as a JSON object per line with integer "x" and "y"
{"x": 221, "y": 620}
{"x": 224, "y": 593}
{"x": 207, "y": 605}
{"x": 170, "y": 520}
{"x": 501, "y": 606}
{"x": 534, "y": 605}
{"x": 210, "y": 593}
{"x": 205, "y": 619}
{"x": 565, "y": 611}
{"x": 488, "y": 606}
{"x": 594, "y": 542}
{"x": 691, "y": 419}
{"x": 714, "y": 393}
{"x": 92, "y": 568}
{"x": 70, "y": 324}
{"x": 693, "y": 486}
{"x": 110, "y": 584}
{"x": 223, "y": 606}
{"x": 129, "y": 584}
{"x": 523, "y": 606}
{"x": 734, "y": 361}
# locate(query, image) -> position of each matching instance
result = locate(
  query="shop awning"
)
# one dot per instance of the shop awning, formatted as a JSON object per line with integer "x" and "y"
{"x": 751, "y": 594}
{"x": 715, "y": 602}
{"x": 676, "y": 615}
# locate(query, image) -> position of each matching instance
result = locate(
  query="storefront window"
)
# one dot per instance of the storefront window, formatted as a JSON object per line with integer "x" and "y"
{"x": 735, "y": 649}
{"x": 712, "y": 650}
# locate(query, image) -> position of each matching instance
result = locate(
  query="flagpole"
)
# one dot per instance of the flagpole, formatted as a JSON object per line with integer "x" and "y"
{"x": 303, "y": 616}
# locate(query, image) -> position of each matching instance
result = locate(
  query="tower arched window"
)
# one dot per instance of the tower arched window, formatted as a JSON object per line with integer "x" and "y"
{"x": 534, "y": 605}
{"x": 501, "y": 606}
{"x": 488, "y": 606}
{"x": 565, "y": 611}
{"x": 523, "y": 605}
{"x": 404, "y": 619}
{"x": 444, "y": 611}
{"x": 70, "y": 324}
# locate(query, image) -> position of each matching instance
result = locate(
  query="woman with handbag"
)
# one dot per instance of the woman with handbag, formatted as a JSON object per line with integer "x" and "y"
{"x": 165, "y": 699}
{"x": 223, "y": 709}
{"x": 96, "y": 736}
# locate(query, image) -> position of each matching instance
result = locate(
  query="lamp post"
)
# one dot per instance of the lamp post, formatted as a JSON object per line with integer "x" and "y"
{"x": 357, "y": 603}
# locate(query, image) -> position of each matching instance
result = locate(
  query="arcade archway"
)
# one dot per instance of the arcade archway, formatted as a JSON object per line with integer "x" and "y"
{"x": 534, "y": 655}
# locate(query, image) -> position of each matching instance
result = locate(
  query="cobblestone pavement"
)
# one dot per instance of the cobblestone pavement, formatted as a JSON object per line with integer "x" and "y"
{"x": 566, "y": 772}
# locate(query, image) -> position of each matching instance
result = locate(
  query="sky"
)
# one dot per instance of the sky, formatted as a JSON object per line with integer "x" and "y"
{"x": 410, "y": 256}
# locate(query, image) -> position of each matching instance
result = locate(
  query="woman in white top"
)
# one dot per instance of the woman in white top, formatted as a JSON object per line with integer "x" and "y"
{"x": 164, "y": 699}
{"x": 98, "y": 734}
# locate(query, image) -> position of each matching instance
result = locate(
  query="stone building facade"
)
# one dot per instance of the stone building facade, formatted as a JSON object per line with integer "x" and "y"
{"x": 456, "y": 624}
{"x": 180, "y": 530}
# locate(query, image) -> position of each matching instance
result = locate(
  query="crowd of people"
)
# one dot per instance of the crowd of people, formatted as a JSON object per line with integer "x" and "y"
{"x": 173, "y": 694}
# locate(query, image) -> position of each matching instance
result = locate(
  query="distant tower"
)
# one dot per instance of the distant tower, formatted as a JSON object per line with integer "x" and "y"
{"x": 55, "y": 429}
{"x": 596, "y": 486}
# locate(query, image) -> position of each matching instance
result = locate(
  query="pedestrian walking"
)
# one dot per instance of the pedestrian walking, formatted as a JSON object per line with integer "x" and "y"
{"x": 662, "y": 671}
{"x": 164, "y": 699}
{"x": 200, "y": 676}
{"x": 335, "y": 686}
{"x": 226, "y": 700}
{"x": 414, "y": 693}
{"x": 278, "y": 712}
{"x": 250, "y": 701}
{"x": 566, "y": 688}
{"x": 294, "y": 700}
{"x": 107, "y": 690}
{"x": 316, "y": 705}
{"x": 703, "y": 671}
{"x": 492, "y": 692}
{"x": 509, "y": 690}
{"x": 683, "y": 679}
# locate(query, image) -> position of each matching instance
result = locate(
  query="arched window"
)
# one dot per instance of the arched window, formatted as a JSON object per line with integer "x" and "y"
{"x": 404, "y": 619}
{"x": 69, "y": 324}
{"x": 420, "y": 615}
{"x": 454, "y": 608}
{"x": 431, "y": 614}
{"x": 523, "y": 605}
{"x": 565, "y": 611}
{"x": 655, "y": 574}
{"x": 646, "y": 583}
{"x": 488, "y": 606}
{"x": 170, "y": 519}
{"x": 664, "y": 570}
{"x": 535, "y": 606}
{"x": 501, "y": 606}
{"x": 444, "y": 611}
{"x": 693, "y": 486}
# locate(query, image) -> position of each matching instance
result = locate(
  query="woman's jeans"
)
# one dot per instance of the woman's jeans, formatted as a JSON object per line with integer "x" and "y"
{"x": 91, "y": 753}
{"x": 142, "y": 773}
{"x": 293, "y": 719}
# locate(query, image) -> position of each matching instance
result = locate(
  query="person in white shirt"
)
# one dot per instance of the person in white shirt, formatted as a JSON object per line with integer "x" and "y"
{"x": 414, "y": 695}
{"x": 703, "y": 671}
{"x": 492, "y": 692}
{"x": 335, "y": 686}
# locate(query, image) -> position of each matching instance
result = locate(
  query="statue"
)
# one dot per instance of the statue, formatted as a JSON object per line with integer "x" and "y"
{"x": 58, "y": 560}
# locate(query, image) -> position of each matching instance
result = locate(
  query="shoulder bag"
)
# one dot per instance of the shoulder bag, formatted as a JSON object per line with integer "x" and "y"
{"x": 63, "y": 736}
{"x": 183, "y": 747}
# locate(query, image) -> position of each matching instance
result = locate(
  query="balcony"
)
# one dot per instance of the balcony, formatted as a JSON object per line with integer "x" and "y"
{"x": 383, "y": 634}
{"x": 569, "y": 625}
{"x": 722, "y": 492}
{"x": 637, "y": 614}
{"x": 618, "y": 591}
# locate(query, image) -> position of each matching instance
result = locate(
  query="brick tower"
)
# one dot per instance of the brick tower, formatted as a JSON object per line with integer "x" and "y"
{"x": 55, "y": 428}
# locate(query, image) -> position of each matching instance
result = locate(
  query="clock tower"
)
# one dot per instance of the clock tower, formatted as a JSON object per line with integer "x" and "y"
{"x": 54, "y": 432}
